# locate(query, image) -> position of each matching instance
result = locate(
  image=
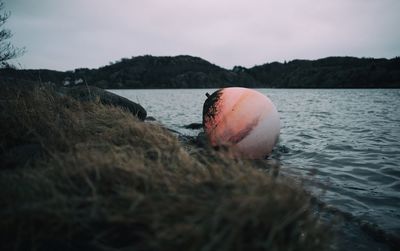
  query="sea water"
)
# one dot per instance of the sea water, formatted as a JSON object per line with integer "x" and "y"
{"x": 347, "y": 141}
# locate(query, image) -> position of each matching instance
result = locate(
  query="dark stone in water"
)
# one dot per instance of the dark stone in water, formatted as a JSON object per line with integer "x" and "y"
{"x": 194, "y": 141}
{"x": 193, "y": 126}
{"x": 201, "y": 139}
{"x": 283, "y": 149}
{"x": 173, "y": 131}
{"x": 90, "y": 93}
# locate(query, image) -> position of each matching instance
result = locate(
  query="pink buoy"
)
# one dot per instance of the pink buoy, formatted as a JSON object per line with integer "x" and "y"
{"x": 242, "y": 118}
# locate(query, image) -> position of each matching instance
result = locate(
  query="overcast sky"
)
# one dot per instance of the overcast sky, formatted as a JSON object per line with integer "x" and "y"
{"x": 67, "y": 34}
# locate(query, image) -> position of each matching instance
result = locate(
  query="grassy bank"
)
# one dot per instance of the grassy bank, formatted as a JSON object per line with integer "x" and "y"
{"x": 84, "y": 176}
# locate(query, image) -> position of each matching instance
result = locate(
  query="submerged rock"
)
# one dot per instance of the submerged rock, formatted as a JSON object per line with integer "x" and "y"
{"x": 90, "y": 93}
{"x": 193, "y": 126}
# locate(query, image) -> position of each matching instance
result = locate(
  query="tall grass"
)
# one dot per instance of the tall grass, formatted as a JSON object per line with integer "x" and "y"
{"x": 103, "y": 180}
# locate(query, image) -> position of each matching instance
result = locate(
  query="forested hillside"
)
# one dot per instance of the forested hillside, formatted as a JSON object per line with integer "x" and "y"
{"x": 194, "y": 72}
{"x": 333, "y": 72}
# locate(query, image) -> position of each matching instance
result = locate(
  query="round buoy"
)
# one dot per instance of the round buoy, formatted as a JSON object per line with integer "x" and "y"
{"x": 242, "y": 118}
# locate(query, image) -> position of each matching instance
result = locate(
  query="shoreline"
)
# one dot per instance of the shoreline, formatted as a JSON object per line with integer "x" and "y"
{"x": 99, "y": 171}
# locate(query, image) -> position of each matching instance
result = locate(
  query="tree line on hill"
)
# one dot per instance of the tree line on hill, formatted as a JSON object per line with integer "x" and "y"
{"x": 193, "y": 72}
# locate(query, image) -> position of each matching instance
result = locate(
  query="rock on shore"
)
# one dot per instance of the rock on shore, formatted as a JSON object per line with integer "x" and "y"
{"x": 90, "y": 93}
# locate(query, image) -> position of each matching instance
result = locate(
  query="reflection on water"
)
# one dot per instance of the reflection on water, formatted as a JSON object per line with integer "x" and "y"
{"x": 347, "y": 141}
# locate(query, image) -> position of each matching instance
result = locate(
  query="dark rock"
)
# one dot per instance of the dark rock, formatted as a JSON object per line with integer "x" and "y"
{"x": 174, "y": 131}
{"x": 150, "y": 118}
{"x": 193, "y": 126}
{"x": 283, "y": 149}
{"x": 90, "y": 93}
{"x": 201, "y": 140}
{"x": 187, "y": 140}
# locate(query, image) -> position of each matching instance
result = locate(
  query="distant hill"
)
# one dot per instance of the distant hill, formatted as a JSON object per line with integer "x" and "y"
{"x": 194, "y": 72}
{"x": 332, "y": 72}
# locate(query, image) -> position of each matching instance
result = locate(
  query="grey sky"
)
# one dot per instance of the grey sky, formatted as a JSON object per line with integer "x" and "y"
{"x": 67, "y": 34}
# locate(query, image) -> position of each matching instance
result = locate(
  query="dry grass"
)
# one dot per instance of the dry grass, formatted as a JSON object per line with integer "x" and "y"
{"x": 105, "y": 181}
